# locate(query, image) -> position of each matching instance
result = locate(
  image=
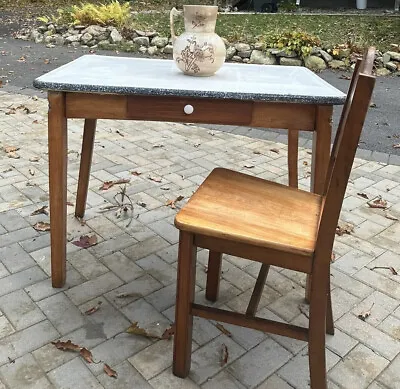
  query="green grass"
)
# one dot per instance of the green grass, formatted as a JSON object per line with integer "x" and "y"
{"x": 360, "y": 31}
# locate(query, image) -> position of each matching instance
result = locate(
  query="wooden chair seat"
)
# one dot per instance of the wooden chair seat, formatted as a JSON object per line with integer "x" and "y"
{"x": 266, "y": 214}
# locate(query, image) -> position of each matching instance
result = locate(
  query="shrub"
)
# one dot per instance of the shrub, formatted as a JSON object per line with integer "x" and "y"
{"x": 299, "y": 42}
{"x": 111, "y": 14}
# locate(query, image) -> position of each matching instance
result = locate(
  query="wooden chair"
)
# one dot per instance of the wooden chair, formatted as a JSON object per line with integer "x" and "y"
{"x": 273, "y": 224}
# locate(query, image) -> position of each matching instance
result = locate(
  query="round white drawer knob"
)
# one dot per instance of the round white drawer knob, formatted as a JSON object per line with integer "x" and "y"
{"x": 188, "y": 109}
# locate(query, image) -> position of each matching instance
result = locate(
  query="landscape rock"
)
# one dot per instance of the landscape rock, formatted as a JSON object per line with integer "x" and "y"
{"x": 230, "y": 52}
{"x": 142, "y": 49}
{"x": 262, "y": 58}
{"x": 244, "y": 54}
{"x": 242, "y": 47}
{"x": 336, "y": 64}
{"x": 344, "y": 53}
{"x": 325, "y": 55}
{"x": 149, "y": 34}
{"x": 73, "y": 38}
{"x": 94, "y": 30}
{"x": 393, "y": 55}
{"x": 159, "y": 41}
{"x": 142, "y": 41}
{"x": 283, "y": 53}
{"x": 236, "y": 58}
{"x": 392, "y": 66}
{"x": 290, "y": 61}
{"x": 36, "y": 36}
{"x": 386, "y": 58}
{"x": 152, "y": 50}
{"x": 383, "y": 72}
{"x": 58, "y": 40}
{"x": 86, "y": 37}
{"x": 168, "y": 49}
{"x": 115, "y": 36}
{"x": 313, "y": 62}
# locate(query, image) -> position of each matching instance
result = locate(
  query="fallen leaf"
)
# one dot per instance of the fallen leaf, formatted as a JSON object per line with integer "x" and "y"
{"x": 68, "y": 345}
{"x": 119, "y": 133}
{"x": 108, "y": 184}
{"x": 365, "y": 196}
{"x": 344, "y": 77}
{"x": 223, "y": 330}
{"x": 224, "y": 355}
{"x": 391, "y": 217}
{"x": 110, "y": 372}
{"x": 164, "y": 187}
{"x": 378, "y": 203}
{"x": 305, "y": 163}
{"x": 94, "y": 309}
{"x": 276, "y": 151}
{"x": 344, "y": 228}
{"x": 1, "y": 83}
{"x": 34, "y": 159}
{"x": 397, "y": 146}
{"x": 333, "y": 257}
{"x": 31, "y": 172}
{"x": 156, "y": 330}
{"x": 35, "y": 121}
{"x": 71, "y": 204}
{"x": 13, "y": 155}
{"x": 364, "y": 315}
{"x": 136, "y": 173}
{"x": 391, "y": 268}
{"x": 41, "y": 210}
{"x": 248, "y": 166}
{"x": 155, "y": 179}
{"x": 86, "y": 241}
{"x": 46, "y": 61}
{"x": 172, "y": 203}
{"x": 21, "y": 59}
{"x": 372, "y": 105}
{"x": 86, "y": 355}
{"x": 126, "y": 295}
{"x": 42, "y": 226}
{"x": 10, "y": 149}
{"x": 158, "y": 146}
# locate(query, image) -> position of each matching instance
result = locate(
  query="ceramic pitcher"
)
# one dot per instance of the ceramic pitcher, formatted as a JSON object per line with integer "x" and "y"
{"x": 199, "y": 51}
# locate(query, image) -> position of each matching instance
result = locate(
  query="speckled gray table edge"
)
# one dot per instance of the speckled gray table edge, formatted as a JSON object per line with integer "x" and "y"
{"x": 83, "y": 88}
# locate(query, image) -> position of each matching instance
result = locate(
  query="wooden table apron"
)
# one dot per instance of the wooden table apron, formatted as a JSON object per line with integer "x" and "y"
{"x": 92, "y": 106}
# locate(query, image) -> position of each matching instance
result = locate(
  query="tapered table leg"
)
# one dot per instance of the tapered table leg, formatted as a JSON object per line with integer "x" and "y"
{"x": 84, "y": 169}
{"x": 57, "y": 127}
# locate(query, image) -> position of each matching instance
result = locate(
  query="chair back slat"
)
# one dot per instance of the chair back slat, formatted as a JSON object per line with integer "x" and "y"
{"x": 344, "y": 149}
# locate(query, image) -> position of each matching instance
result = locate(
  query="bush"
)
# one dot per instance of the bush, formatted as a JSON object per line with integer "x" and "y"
{"x": 299, "y": 42}
{"x": 111, "y": 14}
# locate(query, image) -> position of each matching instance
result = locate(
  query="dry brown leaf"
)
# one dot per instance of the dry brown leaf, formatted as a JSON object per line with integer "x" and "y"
{"x": 364, "y": 315}
{"x": 86, "y": 241}
{"x": 172, "y": 203}
{"x": 305, "y": 163}
{"x": 31, "y": 172}
{"x": 13, "y": 155}
{"x": 94, "y": 309}
{"x": 224, "y": 355}
{"x": 86, "y": 355}
{"x": 333, "y": 257}
{"x": 248, "y": 166}
{"x": 344, "y": 228}
{"x": 363, "y": 195}
{"x": 378, "y": 203}
{"x": 135, "y": 173}
{"x": 391, "y": 268}
{"x": 108, "y": 184}
{"x": 1, "y": 83}
{"x": 34, "y": 159}
{"x": 119, "y": 133}
{"x": 46, "y": 61}
{"x": 397, "y": 146}
{"x": 68, "y": 345}
{"x": 223, "y": 330}
{"x": 344, "y": 77}
{"x": 155, "y": 179}
{"x": 110, "y": 372}
{"x": 156, "y": 330}
{"x": 70, "y": 203}
{"x": 127, "y": 295}
{"x": 168, "y": 333}
{"x": 257, "y": 152}
{"x": 136, "y": 330}
{"x": 391, "y": 217}
{"x": 42, "y": 226}
{"x": 10, "y": 149}
{"x": 41, "y": 210}
{"x": 276, "y": 151}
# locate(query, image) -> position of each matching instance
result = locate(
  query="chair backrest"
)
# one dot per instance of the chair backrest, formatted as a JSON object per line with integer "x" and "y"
{"x": 344, "y": 149}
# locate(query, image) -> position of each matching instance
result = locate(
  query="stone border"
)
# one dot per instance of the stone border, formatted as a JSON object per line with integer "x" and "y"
{"x": 150, "y": 43}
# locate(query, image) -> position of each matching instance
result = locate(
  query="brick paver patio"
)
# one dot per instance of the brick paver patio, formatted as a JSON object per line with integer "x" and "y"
{"x": 140, "y": 260}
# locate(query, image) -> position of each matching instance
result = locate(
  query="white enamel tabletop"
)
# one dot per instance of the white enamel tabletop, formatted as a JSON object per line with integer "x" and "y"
{"x": 156, "y": 77}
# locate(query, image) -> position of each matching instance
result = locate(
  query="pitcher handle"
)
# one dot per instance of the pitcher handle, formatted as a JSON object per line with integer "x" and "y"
{"x": 174, "y": 12}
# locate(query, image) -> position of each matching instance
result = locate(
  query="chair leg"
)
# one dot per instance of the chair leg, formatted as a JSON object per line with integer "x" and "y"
{"x": 257, "y": 291}
{"x": 213, "y": 275}
{"x": 184, "y": 301}
{"x": 84, "y": 169}
{"x": 316, "y": 342}
{"x": 293, "y": 156}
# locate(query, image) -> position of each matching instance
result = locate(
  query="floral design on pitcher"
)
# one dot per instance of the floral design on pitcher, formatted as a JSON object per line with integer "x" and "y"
{"x": 198, "y": 20}
{"x": 194, "y": 53}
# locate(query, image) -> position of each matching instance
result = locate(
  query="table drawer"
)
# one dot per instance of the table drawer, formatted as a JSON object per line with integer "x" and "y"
{"x": 176, "y": 109}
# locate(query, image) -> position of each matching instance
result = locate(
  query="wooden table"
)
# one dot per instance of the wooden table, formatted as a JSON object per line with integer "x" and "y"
{"x": 97, "y": 87}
